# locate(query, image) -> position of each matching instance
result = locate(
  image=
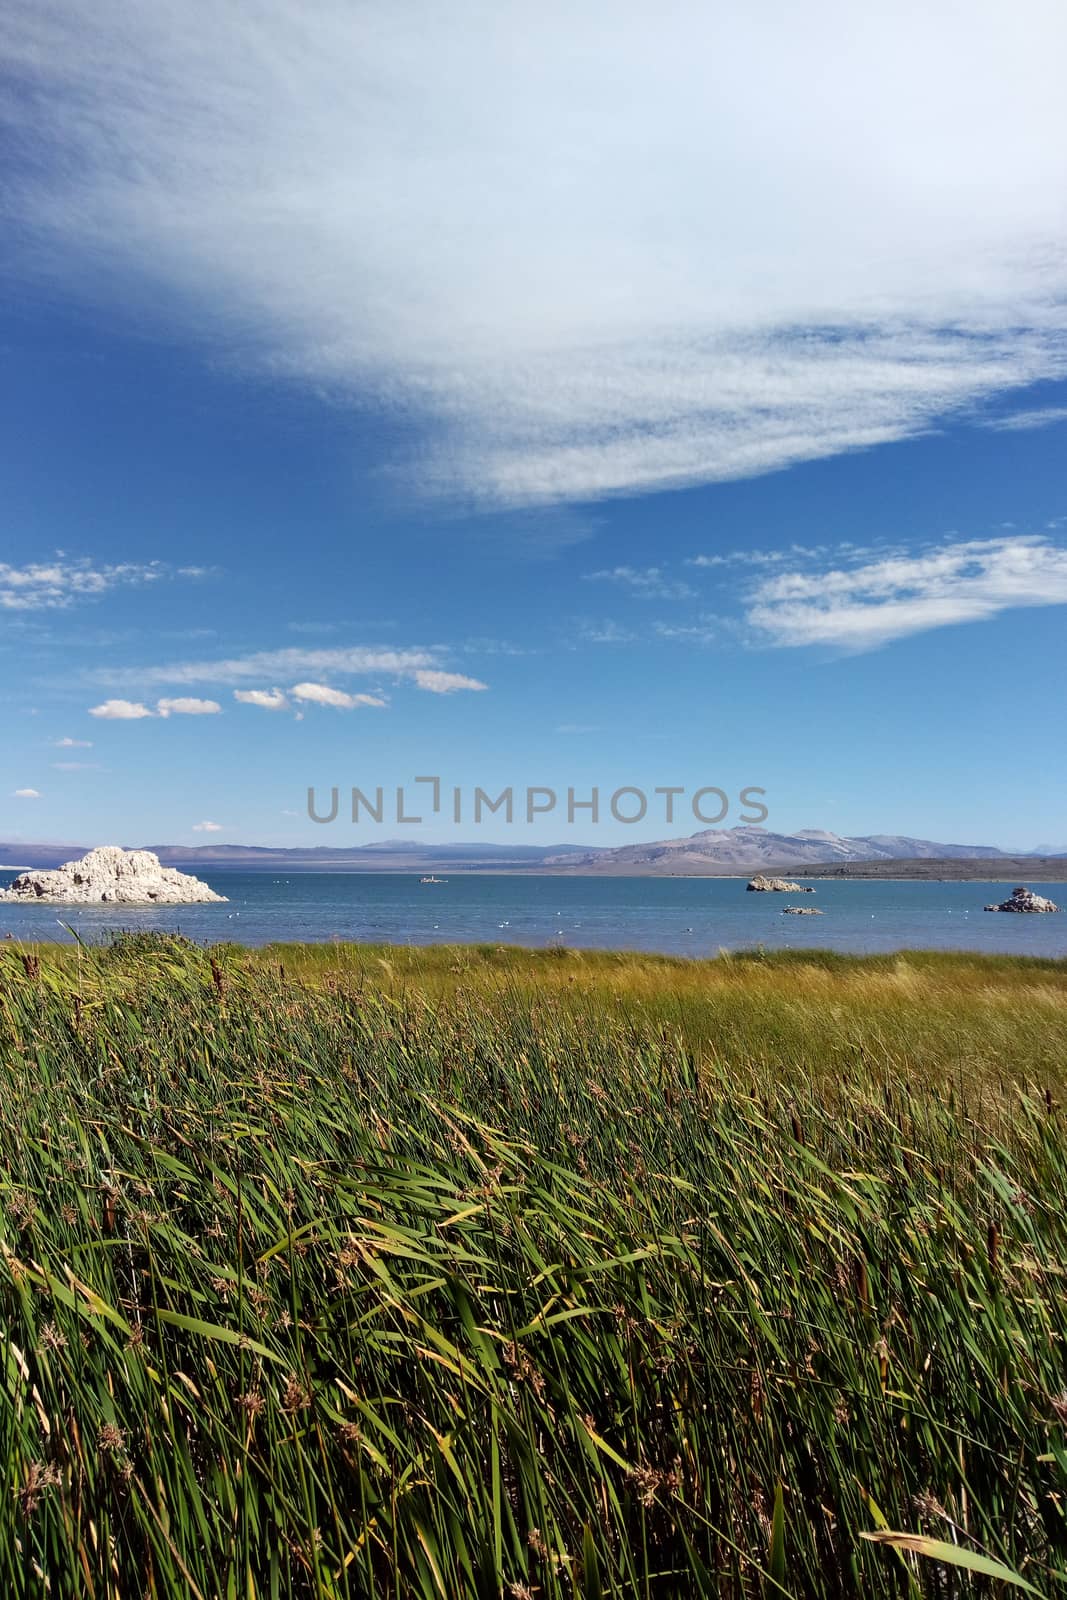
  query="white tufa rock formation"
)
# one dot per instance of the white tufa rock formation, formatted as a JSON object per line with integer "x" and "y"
{"x": 801, "y": 911}
{"x": 1024, "y": 899}
{"x": 112, "y": 876}
{"x": 777, "y": 885}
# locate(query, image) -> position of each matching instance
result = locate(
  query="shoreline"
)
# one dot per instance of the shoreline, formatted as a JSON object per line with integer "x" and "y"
{"x": 811, "y": 875}
{"x": 544, "y": 960}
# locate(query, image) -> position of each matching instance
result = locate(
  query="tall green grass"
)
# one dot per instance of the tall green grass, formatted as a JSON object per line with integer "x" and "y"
{"x": 515, "y": 1276}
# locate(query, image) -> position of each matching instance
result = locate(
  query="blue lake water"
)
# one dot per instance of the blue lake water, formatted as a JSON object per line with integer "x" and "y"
{"x": 675, "y": 916}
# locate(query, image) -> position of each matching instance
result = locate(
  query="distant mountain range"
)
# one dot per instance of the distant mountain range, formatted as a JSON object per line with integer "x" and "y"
{"x": 722, "y": 852}
{"x": 744, "y": 849}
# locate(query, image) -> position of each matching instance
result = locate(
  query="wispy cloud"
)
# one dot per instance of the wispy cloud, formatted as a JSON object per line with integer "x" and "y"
{"x": 605, "y": 632}
{"x": 420, "y": 667}
{"x": 492, "y": 647}
{"x": 437, "y": 682}
{"x": 321, "y": 694}
{"x": 27, "y": 794}
{"x": 76, "y": 766}
{"x": 207, "y": 827}
{"x": 542, "y": 253}
{"x": 73, "y": 744}
{"x": 1023, "y": 421}
{"x": 706, "y": 629}
{"x": 534, "y": 533}
{"x": 861, "y": 607}
{"x": 647, "y": 583}
{"x": 54, "y": 585}
{"x": 760, "y": 558}
{"x": 354, "y": 661}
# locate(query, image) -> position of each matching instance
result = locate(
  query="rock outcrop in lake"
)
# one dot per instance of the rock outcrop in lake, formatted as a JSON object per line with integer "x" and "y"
{"x": 764, "y": 885}
{"x": 1024, "y": 899}
{"x": 112, "y": 876}
{"x": 801, "y": 911}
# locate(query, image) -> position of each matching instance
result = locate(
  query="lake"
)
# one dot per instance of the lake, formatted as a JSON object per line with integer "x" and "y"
{"x": 675, "y": 916}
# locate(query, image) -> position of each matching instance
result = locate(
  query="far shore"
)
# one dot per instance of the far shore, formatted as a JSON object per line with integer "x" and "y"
{"x": 974, "y": 869}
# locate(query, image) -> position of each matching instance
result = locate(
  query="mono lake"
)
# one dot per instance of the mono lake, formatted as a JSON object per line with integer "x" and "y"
{"x": 675, "y": 916}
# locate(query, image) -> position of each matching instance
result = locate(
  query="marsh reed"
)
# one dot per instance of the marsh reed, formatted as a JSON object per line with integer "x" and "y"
{"x": 492, "y": 1275}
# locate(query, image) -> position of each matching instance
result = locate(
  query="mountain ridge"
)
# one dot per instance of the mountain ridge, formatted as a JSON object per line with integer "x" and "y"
{"x": 755, "y": 847}
{"x": 708, "y": 852}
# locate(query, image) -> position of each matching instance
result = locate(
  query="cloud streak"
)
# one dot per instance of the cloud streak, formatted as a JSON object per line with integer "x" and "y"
{"x": 1026, "y": 421}
{"x": 55, "y": 585}
{"x": 862, "y": 607}
{"x": 645, "y": 583}
{"x": 597, "y": 265}
{"x": 590, "y": 631}
{"x": 353, "y": 661}
{"x": 419, "y": 667}
{"x": 321, "y": 694}
{"x": 436, "y": 682}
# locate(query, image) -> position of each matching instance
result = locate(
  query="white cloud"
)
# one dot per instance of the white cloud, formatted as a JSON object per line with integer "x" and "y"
{"x": 353, "y": 661}
{"x": 322, "y": 694}
{"x": 437, "y": 682}
{"x": 707, "y": 629}
{"x": 647, "y": 583}
{"x": 419, "y": 666}
{"x": 186, "y": 707}
{"x": 73, "y": 744}
{"x": 861, "y": 607}
{"x": 645, "y": 249}
{"x": 207, "y": 827}
{"x": 120, "y": 710}
{"x": 1020, "y": 421}
{"x": 27, "y": 794}
{"x": 266, "y": 699}
{"x": 54, "y": 585}
{"x": 761, "y": 558}
{"x": 134, "y": 710}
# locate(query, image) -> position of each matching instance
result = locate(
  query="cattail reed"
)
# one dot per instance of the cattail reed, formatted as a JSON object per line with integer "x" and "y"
{"x": 433, "y": 1273}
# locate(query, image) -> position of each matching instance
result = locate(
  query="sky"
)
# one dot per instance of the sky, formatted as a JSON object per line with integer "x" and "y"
{"x": 532, "y": 396}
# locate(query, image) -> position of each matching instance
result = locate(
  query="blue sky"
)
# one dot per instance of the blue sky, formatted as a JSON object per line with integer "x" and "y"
{"x": 532, "y": 403}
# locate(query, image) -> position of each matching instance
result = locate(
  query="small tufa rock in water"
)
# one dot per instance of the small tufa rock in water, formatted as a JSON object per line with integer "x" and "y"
{"x": 109, "y": 875}
{"x": 777, "y": 886}
{"x": 1024, "y": 899}
{"x": 801, "y": 911}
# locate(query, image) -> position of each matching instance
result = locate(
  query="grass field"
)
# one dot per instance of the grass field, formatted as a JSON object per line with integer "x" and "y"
{"x": 334, "y": 1271}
